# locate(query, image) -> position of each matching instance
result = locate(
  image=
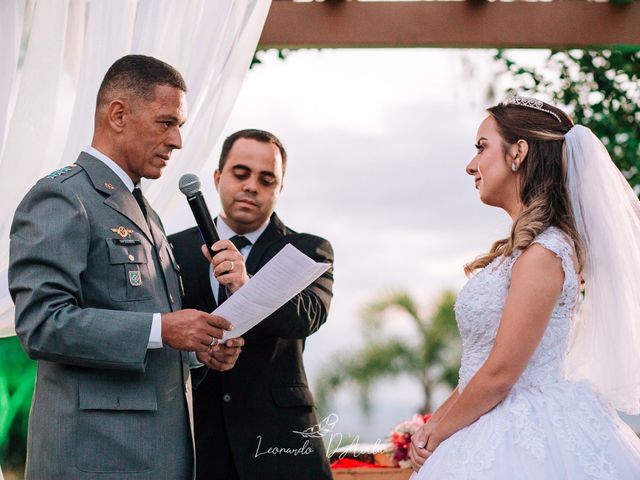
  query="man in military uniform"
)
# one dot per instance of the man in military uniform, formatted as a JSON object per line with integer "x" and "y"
{"x": 98, "y": 301}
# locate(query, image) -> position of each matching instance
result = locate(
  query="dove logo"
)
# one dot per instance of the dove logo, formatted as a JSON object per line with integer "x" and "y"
{"x": 321, "y": 429}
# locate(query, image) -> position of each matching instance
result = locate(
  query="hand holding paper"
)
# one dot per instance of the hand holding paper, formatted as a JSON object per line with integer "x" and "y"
{"x": 283, "y": 277}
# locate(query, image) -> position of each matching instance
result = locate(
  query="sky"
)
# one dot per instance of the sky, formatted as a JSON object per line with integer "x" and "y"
{"x": 377, "y": 142}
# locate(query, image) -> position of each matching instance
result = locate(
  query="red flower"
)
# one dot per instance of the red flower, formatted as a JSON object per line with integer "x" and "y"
{"x": 400, "y": 437}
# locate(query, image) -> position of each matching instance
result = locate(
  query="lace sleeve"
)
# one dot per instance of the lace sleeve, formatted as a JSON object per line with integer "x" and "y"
{"x": 556, "y": 241}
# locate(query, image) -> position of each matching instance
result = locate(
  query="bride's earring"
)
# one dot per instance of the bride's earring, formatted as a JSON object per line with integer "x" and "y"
{"x": 514, "y": 167}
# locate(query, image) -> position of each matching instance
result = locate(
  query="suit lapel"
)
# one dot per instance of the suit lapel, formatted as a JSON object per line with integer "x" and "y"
{"x": 157, "y": 230}
{"x": 118, "y": 195}
{"x": 200, "y": 291}
{"x": 273, "y": 233}
{"x": 123, "y": 202}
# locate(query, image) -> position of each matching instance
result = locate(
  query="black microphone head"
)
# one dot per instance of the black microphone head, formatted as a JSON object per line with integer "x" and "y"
{"x": 189, "y": 184}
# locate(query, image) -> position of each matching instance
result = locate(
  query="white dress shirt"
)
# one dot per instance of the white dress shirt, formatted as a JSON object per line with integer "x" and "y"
{"x": 155, "y": 336}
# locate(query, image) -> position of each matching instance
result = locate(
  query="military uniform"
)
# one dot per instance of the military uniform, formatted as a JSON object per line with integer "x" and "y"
{"x": 86, "y": 273}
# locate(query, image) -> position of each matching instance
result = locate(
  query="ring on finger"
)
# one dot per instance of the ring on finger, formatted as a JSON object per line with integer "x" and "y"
{"x": 232, "y": 265}
{"x": 213, "y": 343}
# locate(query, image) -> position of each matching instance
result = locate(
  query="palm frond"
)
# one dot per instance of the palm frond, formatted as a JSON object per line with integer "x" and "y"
{"x": 373, "y": 313}
{"x": 364, "y": 368}
{"x": 432, "y": 360}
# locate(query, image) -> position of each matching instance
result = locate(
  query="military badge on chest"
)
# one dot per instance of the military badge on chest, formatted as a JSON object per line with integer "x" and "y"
{"x": 122, "y": 231}
{"x": 135, "y": 279}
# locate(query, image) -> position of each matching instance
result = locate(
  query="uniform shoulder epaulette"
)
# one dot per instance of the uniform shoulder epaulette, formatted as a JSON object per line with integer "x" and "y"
{"x": 63, "y": 171}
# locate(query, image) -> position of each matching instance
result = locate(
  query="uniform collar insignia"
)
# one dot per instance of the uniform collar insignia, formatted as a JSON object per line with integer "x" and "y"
{"x": 60, "y": 171}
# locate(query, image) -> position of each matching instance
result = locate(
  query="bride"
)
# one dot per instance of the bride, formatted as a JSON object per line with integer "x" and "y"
{"x": 541, "y": 378}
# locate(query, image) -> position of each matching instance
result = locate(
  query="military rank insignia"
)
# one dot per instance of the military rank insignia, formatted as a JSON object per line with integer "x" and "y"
{"x": 60, "y": 171}
{"x": 134, "y": 278}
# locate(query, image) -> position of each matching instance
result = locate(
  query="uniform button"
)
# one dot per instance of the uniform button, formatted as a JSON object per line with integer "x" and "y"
{"x": 226, "y": 398}
{"x": 131, "y": 257}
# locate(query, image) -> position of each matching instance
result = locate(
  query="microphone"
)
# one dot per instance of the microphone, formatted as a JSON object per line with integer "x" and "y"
{"x": 189, "y": 184}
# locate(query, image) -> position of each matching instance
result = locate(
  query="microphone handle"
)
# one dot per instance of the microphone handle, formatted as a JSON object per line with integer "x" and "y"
{"x": 201, "y": 213}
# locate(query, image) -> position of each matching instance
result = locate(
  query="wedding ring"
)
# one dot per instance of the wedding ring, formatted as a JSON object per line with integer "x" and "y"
{"x": 232, "y": 265}
{"x": 214, "y": 342}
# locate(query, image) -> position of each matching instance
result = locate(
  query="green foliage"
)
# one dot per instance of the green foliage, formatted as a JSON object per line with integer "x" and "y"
{"x": 601, "y": 89}
{"x": 282, "y": 54}
{"x": 17, "y": 378}
{"x": 433, "y": 358}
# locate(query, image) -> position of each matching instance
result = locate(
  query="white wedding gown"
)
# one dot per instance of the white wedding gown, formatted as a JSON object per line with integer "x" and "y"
{"x": 546, "y": 428}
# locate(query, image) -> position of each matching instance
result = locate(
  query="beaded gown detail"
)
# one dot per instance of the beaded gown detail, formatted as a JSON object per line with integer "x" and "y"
{"x": 547, "y": 427}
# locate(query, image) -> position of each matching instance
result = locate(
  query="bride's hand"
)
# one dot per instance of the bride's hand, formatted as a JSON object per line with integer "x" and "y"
{"x": 418, "y": 451}
{"x": 432, "y": 443}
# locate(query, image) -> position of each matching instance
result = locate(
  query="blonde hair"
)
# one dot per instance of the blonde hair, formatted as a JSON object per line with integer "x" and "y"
{"x": 542, "y": 179}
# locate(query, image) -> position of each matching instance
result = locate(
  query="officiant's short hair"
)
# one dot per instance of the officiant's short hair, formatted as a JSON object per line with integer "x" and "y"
{"x": 138, "y": 75}
{"x": 252, "y": 134}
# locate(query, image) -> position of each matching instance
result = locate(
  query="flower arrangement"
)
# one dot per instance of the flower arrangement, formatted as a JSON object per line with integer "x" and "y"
{"x": 400, "y": 439}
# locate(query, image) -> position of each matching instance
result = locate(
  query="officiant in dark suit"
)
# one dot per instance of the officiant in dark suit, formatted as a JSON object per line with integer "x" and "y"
{"x": 248, "y": 420}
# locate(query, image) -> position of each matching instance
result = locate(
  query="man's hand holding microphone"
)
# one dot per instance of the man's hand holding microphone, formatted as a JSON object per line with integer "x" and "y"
{"x": 230, "y": 271}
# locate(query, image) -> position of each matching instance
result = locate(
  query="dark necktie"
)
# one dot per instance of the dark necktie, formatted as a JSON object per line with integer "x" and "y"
{"x": 240, "y": 242}
{"x": 137, "y": 194}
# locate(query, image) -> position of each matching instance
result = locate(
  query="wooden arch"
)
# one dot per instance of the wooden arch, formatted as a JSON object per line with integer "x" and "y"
{"x": 459, "y": 24}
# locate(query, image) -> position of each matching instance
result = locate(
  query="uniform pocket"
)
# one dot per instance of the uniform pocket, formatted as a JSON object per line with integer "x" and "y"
{"x": 115, "y": 427}
{"x": 129, "y": 278}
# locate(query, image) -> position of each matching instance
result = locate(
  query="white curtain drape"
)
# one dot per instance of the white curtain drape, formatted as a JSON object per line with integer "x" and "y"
{"x": 10, "y": 32}
{"x": 47, "y": 98}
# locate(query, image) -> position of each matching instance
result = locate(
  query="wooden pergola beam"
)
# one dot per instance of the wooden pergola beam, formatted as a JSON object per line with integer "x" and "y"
{"x": 458, "y": 24}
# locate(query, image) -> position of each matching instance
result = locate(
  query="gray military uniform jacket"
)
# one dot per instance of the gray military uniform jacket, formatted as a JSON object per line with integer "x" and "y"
{"x": 86, "y": 274}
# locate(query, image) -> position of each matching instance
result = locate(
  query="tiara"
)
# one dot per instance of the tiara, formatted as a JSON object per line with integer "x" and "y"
{"x": 529, "y": 103}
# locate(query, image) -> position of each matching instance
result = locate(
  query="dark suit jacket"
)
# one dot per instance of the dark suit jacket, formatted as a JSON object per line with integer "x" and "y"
{"x": 86, "y": 274}
{"x": 265, "y": 398}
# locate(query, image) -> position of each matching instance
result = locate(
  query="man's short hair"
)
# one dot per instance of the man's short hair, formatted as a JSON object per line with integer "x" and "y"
{"x": 253, "y": 134}
{"x": 138, "y": 75}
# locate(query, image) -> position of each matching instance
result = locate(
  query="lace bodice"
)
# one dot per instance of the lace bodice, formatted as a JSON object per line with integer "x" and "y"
{"x": 546, "y": 427}
{"x": 479, "y": 310}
